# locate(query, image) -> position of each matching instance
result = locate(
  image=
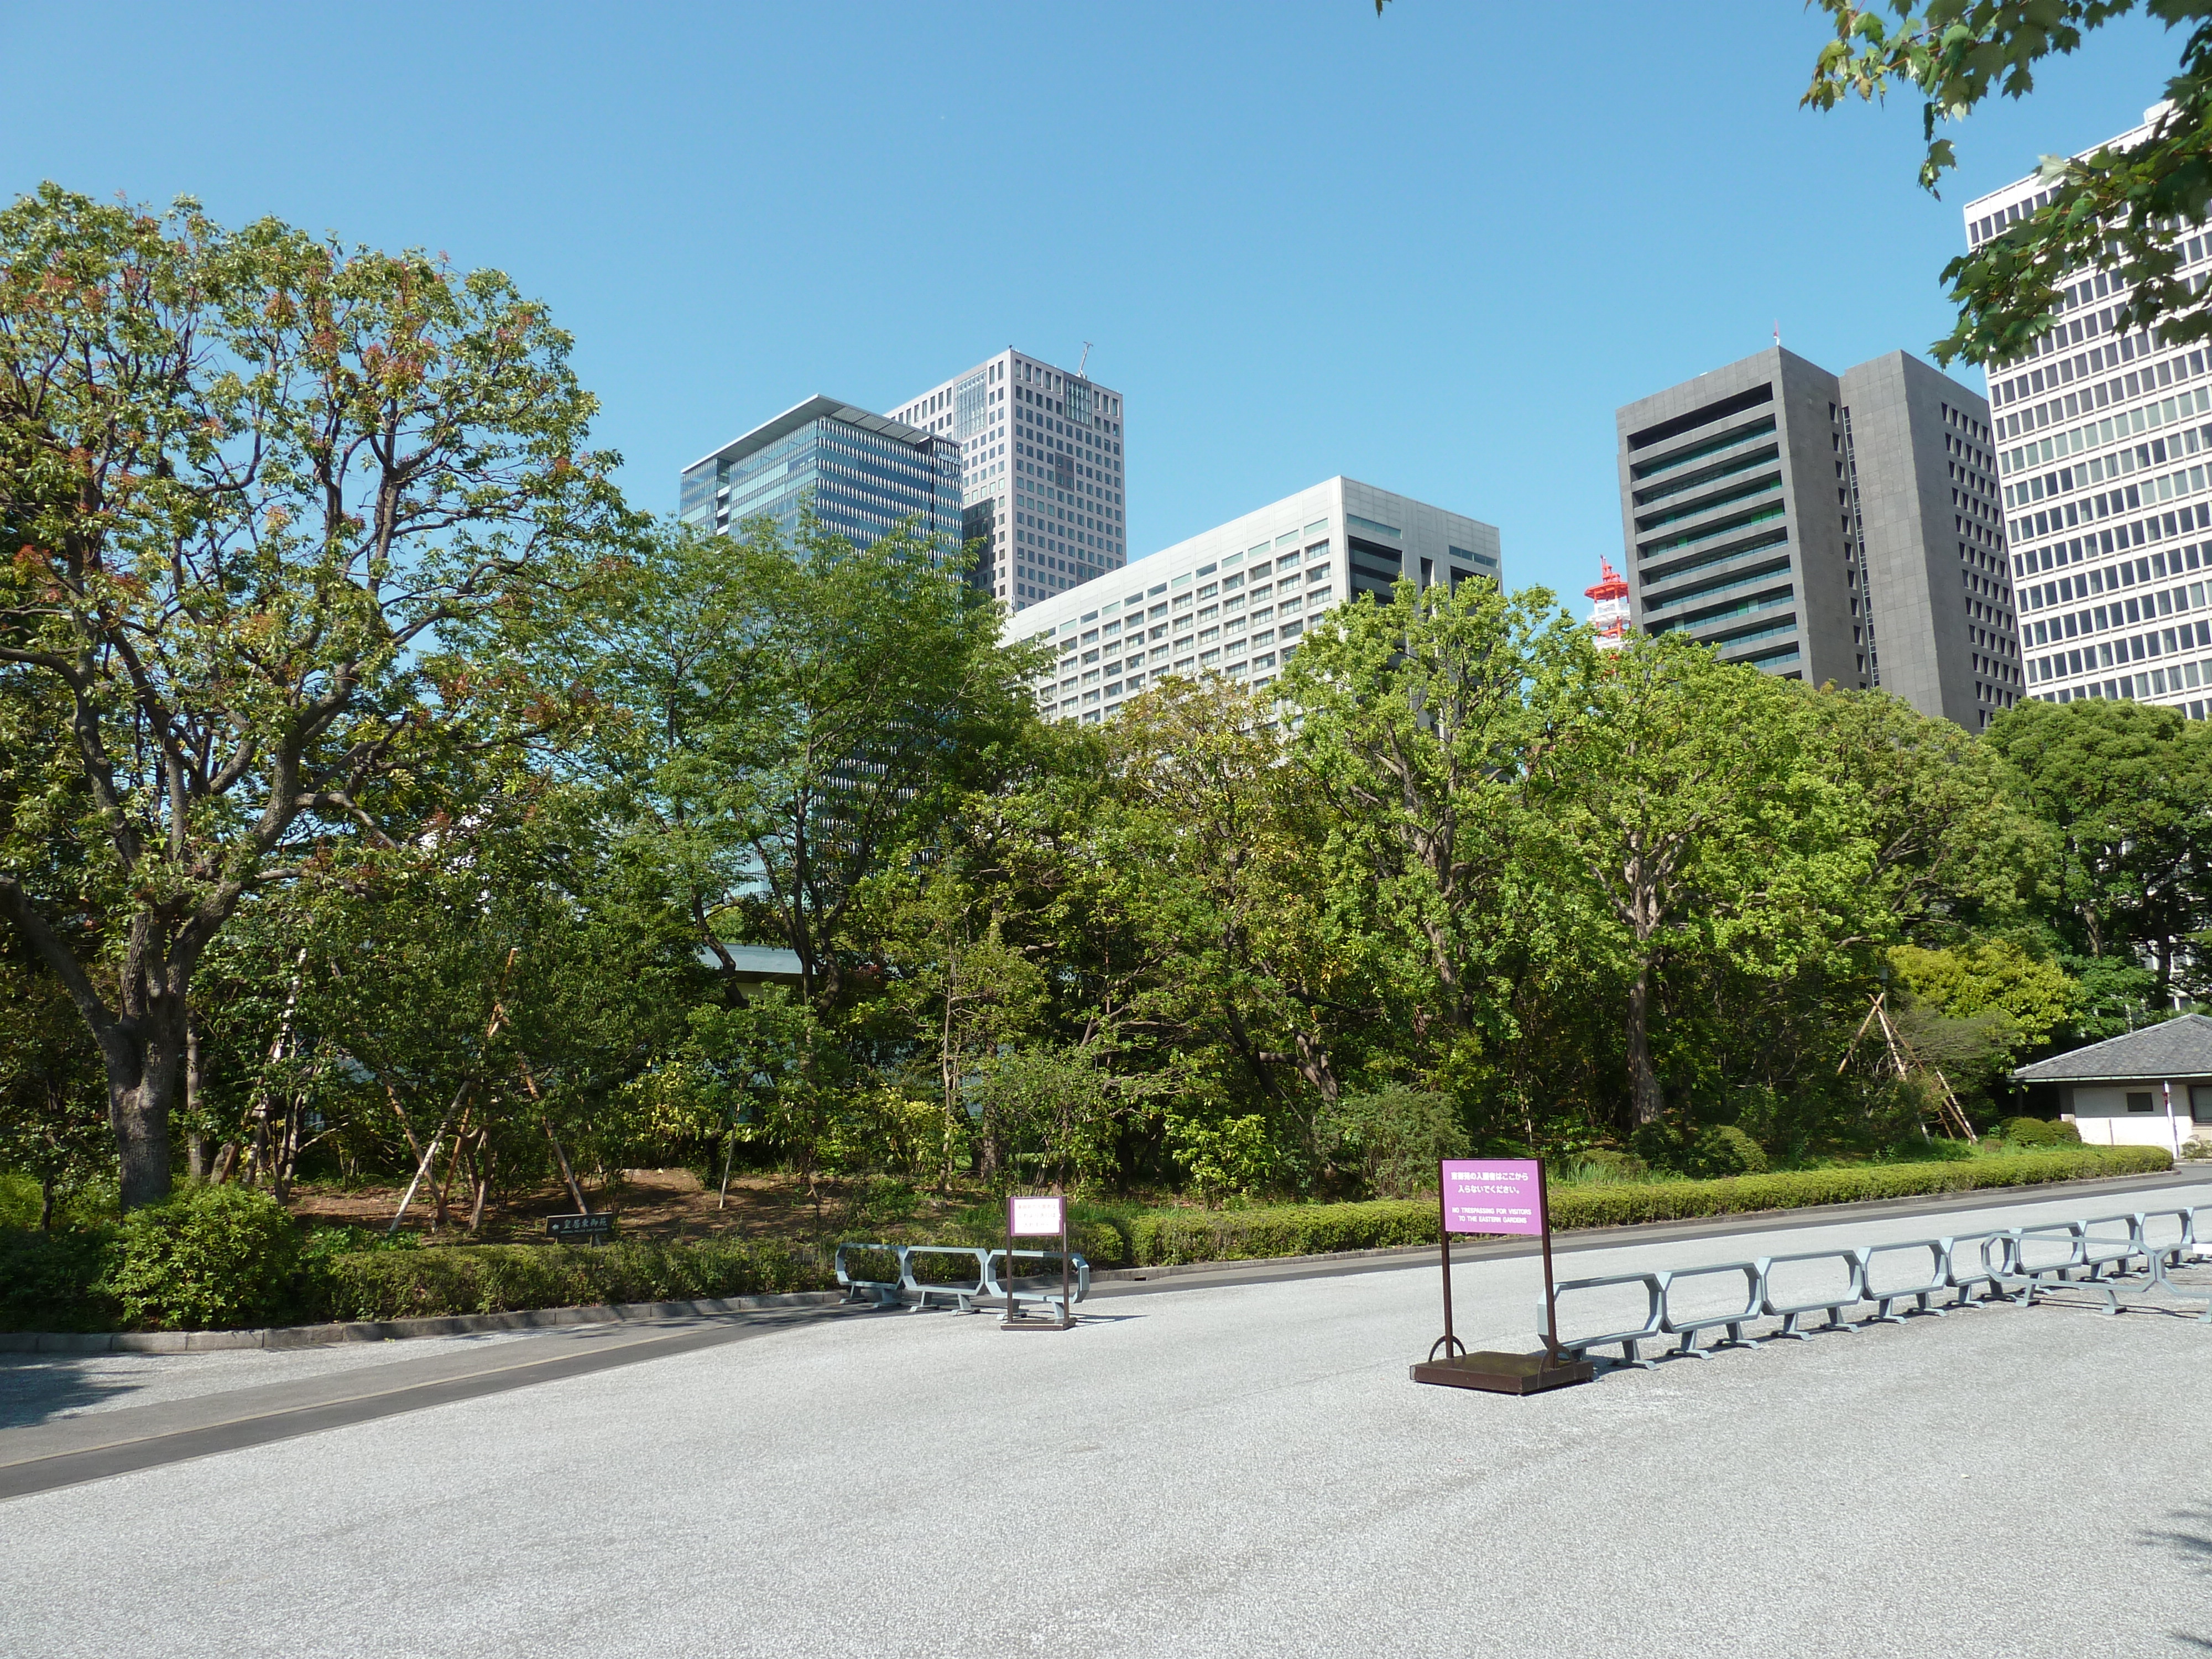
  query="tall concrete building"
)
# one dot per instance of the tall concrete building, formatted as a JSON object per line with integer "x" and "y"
{"x": 1824, "y": 528}
{"x": 865, "y": 473}
{"x": 1041, "y": 475}
{"x": 2101, "y": 447}
{"x": 1235, "y": 600}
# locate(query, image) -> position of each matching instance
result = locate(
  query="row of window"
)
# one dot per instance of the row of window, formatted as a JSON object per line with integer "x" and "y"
{"x": 2147, "y": 382}
{"x": 2151, "y": 644}
{"x": 2137, "y": 532}
{"x": 1090, "y": 705}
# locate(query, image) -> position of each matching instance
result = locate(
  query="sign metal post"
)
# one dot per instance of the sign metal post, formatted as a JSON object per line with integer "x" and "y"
{"x": 1509, "y": 1196}
{"x": 1032, "y": 1217}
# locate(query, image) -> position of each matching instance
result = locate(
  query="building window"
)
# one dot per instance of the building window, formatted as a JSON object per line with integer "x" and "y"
{"x": 2138, "y": 1101}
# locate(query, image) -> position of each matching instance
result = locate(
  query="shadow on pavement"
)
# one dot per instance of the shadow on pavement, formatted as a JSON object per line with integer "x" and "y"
{"x": 2189, "y": 1541}
{"x": 33, "y": 1389}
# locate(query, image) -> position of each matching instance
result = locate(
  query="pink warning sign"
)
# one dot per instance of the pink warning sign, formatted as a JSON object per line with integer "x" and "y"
{"x": 1492, "y": 1195}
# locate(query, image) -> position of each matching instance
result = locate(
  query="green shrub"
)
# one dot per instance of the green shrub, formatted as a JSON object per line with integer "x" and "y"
{"x": 51, "y": 1281}
{"x": 1602, "y": 1164}
{"x": 1396, "y": 1136}
{"x": 211, "y": 1256}
{"x": 1725, "y": 1149}
{"x": 1165, "y": 1237}
{"x": 483, "y": 1279}
{"x": 2039, "y": 1131}
{"x": 19, "y": 1200}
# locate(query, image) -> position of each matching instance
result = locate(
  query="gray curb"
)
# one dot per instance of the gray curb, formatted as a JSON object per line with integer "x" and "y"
{"x": 387, "y": 1330}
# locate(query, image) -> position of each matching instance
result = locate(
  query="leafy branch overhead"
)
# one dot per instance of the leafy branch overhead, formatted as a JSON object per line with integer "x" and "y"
{"x": 2114, "y": 209}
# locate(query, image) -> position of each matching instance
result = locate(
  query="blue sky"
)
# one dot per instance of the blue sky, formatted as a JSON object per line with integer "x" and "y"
{"x": 1433, "y": 252}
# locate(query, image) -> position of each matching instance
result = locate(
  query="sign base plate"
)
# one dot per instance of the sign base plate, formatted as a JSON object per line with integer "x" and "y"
{"x": 1504, "y": 1373}
{"x": 1036, "y": 1324}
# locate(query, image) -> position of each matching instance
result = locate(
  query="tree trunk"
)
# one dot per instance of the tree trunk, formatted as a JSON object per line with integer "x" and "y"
{"x": 195, "y": 1145}
{"x": 1643, "y": 1076}
{"x": 46, "y": 1202}
{"x": 145, "y": 1061}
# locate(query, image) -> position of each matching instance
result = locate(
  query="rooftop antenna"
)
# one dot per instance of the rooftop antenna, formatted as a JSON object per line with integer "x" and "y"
{"x": 1778, "y": 331}
{"x": 1085, "y": 358}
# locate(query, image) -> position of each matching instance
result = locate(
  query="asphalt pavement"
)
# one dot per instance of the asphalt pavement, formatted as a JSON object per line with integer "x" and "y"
{"x": 1204, "y": 1469}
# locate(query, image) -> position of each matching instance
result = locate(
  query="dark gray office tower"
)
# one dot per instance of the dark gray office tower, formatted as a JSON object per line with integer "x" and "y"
{"x": 1845, "y": 530}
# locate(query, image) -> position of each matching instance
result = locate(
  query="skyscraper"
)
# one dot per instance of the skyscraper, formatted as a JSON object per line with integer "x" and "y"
{"x": 1042, "y": 472}
{"x": 1235, "y": 600}
{"x": 2101, "y": 440}
{"x": 863, "y": 472}
{"x": 1825, "y": 528}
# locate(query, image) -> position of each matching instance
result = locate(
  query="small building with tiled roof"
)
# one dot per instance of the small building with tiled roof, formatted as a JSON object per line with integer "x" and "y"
{"x": 2149, "y": 1088}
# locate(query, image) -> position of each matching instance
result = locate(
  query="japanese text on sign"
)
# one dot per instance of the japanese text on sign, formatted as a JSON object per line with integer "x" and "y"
{"x": 1492, "y": 1195}
{"x": 1027, "y": 1216}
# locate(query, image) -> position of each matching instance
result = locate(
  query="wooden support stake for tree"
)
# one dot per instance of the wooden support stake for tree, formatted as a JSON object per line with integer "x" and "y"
{"x": 498, "y": 1015}
{"x": 575, "y": 1192}
{"x": 453, "y": 1164}
{"x": 481, "y": 1163}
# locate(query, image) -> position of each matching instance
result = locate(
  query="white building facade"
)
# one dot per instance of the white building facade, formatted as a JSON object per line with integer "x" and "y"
{"x": 2102, "y": 453}
{"x": 1042, "y": 472}
{"x": 1237, "y": 599}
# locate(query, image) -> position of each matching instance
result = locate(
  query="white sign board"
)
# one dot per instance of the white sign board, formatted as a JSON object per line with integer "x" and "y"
{"x": 1027, "y": 1216}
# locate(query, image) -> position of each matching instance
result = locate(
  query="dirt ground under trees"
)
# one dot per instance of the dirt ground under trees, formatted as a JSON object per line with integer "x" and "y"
{"x": 650, "y": 1204}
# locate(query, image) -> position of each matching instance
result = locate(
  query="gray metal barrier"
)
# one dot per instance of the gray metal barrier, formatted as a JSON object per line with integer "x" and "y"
{"x": 968, "y": 1293}
{"x": 1731, "y": 1318}
{"x": 2110, "y": 1253}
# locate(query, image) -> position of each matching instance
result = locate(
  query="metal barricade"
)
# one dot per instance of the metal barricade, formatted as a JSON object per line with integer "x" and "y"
{"x": 2014, "y": 1265}
{"x": 965, "y": 1294}
{"x": 1655, "y": 1290}
{"x": 1963, "y": 1274}
{"x": 1918, "y": 1287}
{"x": 2106, "y": 1249}
{"x": 2046, "y": 1255}
{"x": 884, "y": 1292}
{"x": 1731, "y": 1319}
{"x": 1047, "y": 1297}
{"x": 1790, "y": 1309}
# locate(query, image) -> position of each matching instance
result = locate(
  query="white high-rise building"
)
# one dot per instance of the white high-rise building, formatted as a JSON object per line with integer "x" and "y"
{"x": 1041, "y": 458}
{"x": 1235, "y": 600}
{"x": 2101, "y": 447}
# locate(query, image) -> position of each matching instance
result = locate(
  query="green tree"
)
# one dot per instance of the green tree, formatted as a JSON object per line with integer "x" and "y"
{"x": 52, "y": 1127}
{"x": 2124, "y": 790}
{"x": 1249, "y": 958}
{"x": 802, "y": 716}
{"x": 253, "y": 477}
{"x": 2113, "y": 209}
{"x": 2035, "y": 997}
{"x": 1691, "y": 794}
{"x": 1421, "y": 719}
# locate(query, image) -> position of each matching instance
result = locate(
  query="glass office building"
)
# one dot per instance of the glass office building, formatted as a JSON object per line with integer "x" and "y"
{"x": 865, "y": 473}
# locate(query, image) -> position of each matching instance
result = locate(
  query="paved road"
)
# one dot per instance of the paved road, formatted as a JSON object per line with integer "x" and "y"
{"x": 1219, "y": 1470}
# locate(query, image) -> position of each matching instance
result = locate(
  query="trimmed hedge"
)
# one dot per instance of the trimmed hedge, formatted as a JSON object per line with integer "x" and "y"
{"x": 1170, "y": 1237}
{"x": 482, "y": 1279}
